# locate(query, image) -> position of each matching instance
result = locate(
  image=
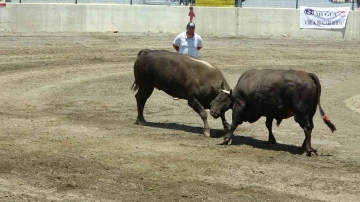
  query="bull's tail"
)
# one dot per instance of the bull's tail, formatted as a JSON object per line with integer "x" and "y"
{"x": 143, "y": 50}
{"x": 134, "y": 87}
{"x": 324, "y": 117}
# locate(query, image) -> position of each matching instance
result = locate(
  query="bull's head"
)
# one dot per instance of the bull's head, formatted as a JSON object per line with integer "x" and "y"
{"x": 221, "y": 103}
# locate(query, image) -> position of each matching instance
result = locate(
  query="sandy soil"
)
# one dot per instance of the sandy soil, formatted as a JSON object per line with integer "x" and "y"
{"x": 67, "y": 125}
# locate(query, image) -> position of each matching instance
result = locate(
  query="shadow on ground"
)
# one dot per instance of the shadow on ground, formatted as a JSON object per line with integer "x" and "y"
{"x": 261, "y": 144}
{"x": 215, "y": 133}
{"x": 237, "y": 140}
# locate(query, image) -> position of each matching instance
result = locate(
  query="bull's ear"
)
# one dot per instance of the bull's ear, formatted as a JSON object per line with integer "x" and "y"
{"x": 222, "y": 85}
{"x": 239, "y": 101}
{"x": 214, "y": 90}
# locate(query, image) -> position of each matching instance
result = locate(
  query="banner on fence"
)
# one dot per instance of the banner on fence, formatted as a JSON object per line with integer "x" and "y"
{"x": 216, "y": 3}
{"x": 323, "y": 18}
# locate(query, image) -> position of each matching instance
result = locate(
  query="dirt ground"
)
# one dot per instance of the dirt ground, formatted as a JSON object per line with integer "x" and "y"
{"x": 67, "y": 124}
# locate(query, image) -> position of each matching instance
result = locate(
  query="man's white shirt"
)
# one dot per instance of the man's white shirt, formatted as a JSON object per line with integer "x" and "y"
{"x": 188, "y": 46}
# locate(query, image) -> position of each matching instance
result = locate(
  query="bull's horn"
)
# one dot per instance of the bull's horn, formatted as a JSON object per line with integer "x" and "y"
{"x": 225, "y": 91}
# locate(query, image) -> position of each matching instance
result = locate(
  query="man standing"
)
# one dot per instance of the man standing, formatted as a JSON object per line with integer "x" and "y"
{"x": 188, "y": 43}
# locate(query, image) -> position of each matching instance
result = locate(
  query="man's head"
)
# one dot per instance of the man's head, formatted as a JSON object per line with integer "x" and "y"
{"x": 190, "y": 29}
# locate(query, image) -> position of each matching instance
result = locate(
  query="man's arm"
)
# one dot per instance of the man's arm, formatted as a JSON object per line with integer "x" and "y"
{"x": 176, "y": 43}
{"x": 176, "y": 47}
{"x": 200, "y": 43}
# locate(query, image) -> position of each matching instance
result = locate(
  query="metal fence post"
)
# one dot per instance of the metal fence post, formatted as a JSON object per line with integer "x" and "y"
{"x": 297, "y": 4}
{"x": 130, "y": 2}
{"x": 238, "y": 3}
{"x": 75, "y": 1}
{"x": 353, "y": 5}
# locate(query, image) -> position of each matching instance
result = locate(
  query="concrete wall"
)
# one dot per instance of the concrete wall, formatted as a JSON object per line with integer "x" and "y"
{"x": 252, "y": 22}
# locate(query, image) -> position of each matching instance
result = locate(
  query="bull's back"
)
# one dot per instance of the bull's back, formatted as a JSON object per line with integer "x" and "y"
{"x": 178, "y": 74}
{"x": 254, "y": 79}
{"x": 277, "y": 88}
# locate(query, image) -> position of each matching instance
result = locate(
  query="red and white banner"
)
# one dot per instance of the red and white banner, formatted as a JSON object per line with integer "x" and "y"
{"x": 323, "y": 18}
{"x": 2, "y": 4}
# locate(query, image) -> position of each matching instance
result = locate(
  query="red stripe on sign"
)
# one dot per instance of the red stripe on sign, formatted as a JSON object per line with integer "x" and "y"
{"x": 2, "y": 4}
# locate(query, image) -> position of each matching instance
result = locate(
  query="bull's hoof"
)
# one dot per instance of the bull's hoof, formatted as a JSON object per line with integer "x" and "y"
{"x": 226, "y": 141}
{"x": 140, "y": 122}
{"x": 206, "y": 133}
{"x": 272, "y": 141}
{"x": 311, "y": 151}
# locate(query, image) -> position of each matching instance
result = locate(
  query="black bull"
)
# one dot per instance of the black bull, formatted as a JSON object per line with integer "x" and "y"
{"x": 180, "y": 76}
{"x": 275, "y": 94}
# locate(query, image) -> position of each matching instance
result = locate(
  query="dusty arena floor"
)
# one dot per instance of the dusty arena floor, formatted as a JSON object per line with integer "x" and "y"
{"x": 67, "y": 125}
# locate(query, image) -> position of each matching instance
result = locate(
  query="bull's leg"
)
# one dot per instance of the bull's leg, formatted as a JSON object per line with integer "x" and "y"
{"x": 196, "y": 105}
{"x": 307, "y": 126}
{"x": 224, "y": 122}
{"x": 236, "y": 120}
{"x": 141, "y": 96}
{"x": 268, "y": 123}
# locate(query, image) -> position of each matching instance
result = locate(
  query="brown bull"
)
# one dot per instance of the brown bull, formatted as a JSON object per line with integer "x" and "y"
{"x": 180, "y": 76}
